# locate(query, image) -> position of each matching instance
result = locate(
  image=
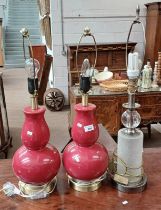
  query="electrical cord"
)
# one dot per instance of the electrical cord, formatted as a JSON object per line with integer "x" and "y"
{"x": 115, "y": 161}
{"x": 10, "y": 189}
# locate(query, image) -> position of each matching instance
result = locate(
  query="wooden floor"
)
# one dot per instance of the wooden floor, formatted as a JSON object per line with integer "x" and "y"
{"x": 17, "y": 97}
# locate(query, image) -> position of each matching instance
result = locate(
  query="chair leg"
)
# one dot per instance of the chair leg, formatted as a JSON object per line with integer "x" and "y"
{"x": 149, "y": 130}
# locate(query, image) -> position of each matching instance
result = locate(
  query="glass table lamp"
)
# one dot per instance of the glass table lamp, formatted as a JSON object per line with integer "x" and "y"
{"x": 127, "y": 163}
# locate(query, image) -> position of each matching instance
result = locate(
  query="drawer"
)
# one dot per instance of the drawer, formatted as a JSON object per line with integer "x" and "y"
{"x": 150, "y": 112}
{"x": 149, "y": 99}
{"x": 118, "y": 59}
{"x": 106, "y": 113}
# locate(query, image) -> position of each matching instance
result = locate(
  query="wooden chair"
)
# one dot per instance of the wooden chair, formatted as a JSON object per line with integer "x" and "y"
{"x": 44, "y": 78}
{"x": 148, "y": 126}
{"x": 52, "y": 98}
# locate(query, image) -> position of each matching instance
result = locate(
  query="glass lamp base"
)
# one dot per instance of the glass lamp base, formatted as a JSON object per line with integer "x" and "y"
{"x": 29, "y": 189}
{"x": 139, "y": 187}
{"x": 86, "y": 186}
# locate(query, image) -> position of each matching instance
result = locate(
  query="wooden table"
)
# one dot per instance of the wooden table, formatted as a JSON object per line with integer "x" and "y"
{"x": 105, "y": 198}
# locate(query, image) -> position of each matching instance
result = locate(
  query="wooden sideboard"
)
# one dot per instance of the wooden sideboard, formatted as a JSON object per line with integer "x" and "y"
{"x": 109, "y": 106}
{"x": 109, "y": 54}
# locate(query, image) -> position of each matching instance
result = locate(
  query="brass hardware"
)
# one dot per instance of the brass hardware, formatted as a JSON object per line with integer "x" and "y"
{"x": 24, "y": 32}
{"x": 86, "y": 186}
{"x": 87, "y": 32}
{"x": 84, "y": 99}
{"x": 34, "y": 101}
{"x": 29, "y": 189}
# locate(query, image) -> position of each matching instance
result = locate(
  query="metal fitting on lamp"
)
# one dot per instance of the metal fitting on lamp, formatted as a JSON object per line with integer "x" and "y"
{"x": 24, "y": 32}
{"x": 137, "y": 13}
{"x": 84, "y": 78}
{"x": 87, "y": 31}
{"x": 136, "y": 21}
{"x": 34, "y": 100}
{"x": 84, "y": 99}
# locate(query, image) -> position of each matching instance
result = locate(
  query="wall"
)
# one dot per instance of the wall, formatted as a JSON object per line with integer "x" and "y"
{"x": 2, "y": 4}
{"x": 109, "y": 21}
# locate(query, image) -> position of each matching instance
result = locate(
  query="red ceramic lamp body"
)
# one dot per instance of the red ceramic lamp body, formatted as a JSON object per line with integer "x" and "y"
{"x": 35, "y": 132}
{"x": 85, "y": 163}
{"x": 84, "y": 159}
{"x": 85, "y": 130}
{"x": 36, "y": 167}
{"x": 36, "y": 162}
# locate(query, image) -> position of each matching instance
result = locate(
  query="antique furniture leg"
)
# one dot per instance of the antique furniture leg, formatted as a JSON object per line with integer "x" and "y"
{"x": 44, "y": 78}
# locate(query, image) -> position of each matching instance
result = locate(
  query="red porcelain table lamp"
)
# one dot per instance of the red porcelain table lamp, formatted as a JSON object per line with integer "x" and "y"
{"x": 36, "y": 162}
{"x": 85, "y": 160}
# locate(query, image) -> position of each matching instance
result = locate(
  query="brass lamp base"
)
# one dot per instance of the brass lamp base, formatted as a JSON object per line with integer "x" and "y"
{"x": 131, "y": 188}
{"x": 86, "y": 186}
{"x": 29, "y": 189}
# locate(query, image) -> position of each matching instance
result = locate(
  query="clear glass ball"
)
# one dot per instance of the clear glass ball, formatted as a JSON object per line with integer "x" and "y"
{"x": 130, "y": 119}
{"x": 30, "y": 69}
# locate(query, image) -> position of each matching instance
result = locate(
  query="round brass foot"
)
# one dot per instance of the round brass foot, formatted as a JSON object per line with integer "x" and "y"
{"x": 131, "y": 188}
{"x": 86, "y": 186}
{"x": 29, "y": 189}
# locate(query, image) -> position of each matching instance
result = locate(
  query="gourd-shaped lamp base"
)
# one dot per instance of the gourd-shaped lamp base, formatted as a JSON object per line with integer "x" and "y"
{"x": 36, "y": 163}
{"x": 85, "y": 160}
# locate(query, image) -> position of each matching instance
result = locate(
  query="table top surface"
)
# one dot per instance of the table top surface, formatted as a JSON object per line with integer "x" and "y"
{"x": 107, "y": 197}
{"x": 97, "y": 90}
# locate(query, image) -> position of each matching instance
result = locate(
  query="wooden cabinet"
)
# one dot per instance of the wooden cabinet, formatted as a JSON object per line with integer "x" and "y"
{"x": 104, "y": 112}
{"x": 153, "y": 32}
{"x": 109, "y": 106}
{"x": 109, "y": 54}
{"x": 151, "y": 107}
